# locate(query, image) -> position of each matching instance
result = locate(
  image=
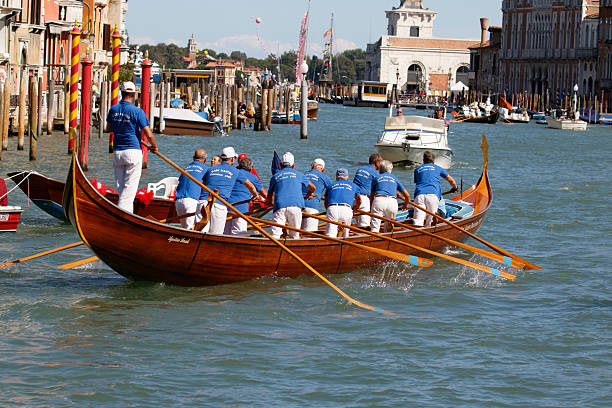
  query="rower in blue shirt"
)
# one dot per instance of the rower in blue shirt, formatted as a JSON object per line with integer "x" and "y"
{"x": 286, "y": 193}
{"x": 428, "y": 191}
{"x": 363, "y": 178}
{"x": 385, "y": 189}
{"x": 240, "y": 194}
{"x": 222, "y": 177}
{"x": 341, "y": 196}
{"x": 188, "y": 192}
{"x": 128, "y": 122}
{"x": 321, "y": 182}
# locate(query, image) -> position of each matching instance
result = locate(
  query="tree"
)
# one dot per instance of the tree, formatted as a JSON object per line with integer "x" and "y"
{"x": 238, "y": 56}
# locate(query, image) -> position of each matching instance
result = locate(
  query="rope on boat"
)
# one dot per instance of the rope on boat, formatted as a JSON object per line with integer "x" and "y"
{"x": 17, "y": 185}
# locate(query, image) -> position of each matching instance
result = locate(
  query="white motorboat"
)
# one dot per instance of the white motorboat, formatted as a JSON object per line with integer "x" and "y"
{"x": 514, "y": 116}
{"x": 566, "y": 124}
{"x": 406, "y": 138}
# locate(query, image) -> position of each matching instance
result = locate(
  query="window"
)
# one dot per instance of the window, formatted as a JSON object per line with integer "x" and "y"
{"x": 414, "y": 31}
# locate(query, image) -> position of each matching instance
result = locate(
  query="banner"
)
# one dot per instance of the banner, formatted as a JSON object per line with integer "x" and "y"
{"x": 301, "y": 49}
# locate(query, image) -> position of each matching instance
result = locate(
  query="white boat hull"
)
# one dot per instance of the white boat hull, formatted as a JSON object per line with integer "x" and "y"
{"x": 567, "y": 124}
{"x": 414, "y": 155}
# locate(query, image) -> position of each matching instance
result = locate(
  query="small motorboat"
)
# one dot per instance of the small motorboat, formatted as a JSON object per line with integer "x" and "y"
{"x": 10, "y": 215}
{"x": 567, "y": 124}
{"x": 514, "y": 116}
{"x": 183, "y": 122}
{"x": 540, "y": 118}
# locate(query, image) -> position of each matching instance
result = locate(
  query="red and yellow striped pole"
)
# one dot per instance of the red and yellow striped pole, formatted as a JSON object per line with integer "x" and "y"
{"x": 83, "y": 147}
{"x": 145, "y": 90}
{"x": 116, "y": 42}
{"x": 74, "y": 85}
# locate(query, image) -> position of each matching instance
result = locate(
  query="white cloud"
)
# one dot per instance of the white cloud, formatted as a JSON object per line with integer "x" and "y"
{"x": 248, "y": 43}
{"x": 180, "y": 43}
{"x": 143, "y": 40}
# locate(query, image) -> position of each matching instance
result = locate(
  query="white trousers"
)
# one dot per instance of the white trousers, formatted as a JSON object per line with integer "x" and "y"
{"x": 187, "y": 205}
{"x": 338, "y": 213}
{"x": 128, "y": 166}
{"x": 364, "y": 220}
{"x": 428, "y": 201}
{"x": 384, "y": 207}
{"x": 218, "y": 216}
{"x": 291, "y": 216}
{"x": 309, "y": 223}
{"x": 238, "y": 226}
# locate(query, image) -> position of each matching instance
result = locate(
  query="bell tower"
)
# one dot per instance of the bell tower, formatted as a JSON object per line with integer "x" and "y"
{"x": 410, "y": 19}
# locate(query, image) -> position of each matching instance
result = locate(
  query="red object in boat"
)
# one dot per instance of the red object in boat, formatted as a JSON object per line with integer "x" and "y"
{"x": 9, "y": 215}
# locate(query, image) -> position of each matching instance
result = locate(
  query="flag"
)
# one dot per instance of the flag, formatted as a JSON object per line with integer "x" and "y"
{"x": 276, "y": 163}
{"x": 301, "y": 49}
{"x": 327, "y": 33}
{"x": 503, "y": 103}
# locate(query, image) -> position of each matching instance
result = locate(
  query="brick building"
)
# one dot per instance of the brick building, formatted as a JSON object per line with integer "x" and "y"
{"x": 484, "y": 60}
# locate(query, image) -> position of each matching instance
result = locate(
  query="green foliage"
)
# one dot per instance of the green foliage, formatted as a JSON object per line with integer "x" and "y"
{"x": 126, "y": 72}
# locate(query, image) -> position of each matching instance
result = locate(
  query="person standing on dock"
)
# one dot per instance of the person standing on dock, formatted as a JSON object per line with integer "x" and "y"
{"x": 321, "y": 182}
{"x": 363, "y": 178}
{"x": 222, "y": 177}
{"x": 240, "y": 194}
{"x": 127, "y": 123}
{"x": 286, "y": 193}
{"x": 428, "y": 191}
{"x": 339, "y": 200}
{"x": 188, "y": 193}
{"x": 386, "y": 188}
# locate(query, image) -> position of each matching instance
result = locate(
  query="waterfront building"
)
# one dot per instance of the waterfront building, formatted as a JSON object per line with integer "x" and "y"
{"x": 548, "y": 46}
{"x": 484, "y": 60}
{"x": 605, "y": 48}
{"x": 225, "y": 70}
{"x": 412, "y": 58}
{"x": 117, "y": 10}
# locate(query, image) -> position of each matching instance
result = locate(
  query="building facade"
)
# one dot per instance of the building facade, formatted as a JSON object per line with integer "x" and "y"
{"x": 605, "y": 47}
{"x": 484, "y": 60}
{"x": 549, "y": 46}
{"x": 411, "y": 57}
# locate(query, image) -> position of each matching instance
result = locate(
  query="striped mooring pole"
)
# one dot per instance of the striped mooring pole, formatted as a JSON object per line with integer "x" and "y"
{"x": 74, "y": 85}
{"x": 83, "y": 147}
{"x": 116, "y": 40}
{"x": 145, "y": 88}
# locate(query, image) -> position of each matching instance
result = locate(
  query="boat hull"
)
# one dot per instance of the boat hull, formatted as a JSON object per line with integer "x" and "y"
{"x": 177, "y": 127}
{"x": 414, "y": 155}
{"x": 566, "y": 124}
{"x": 9, "y": 218}
{"x": 491, "y": 119}
{"x": 140, "y": 249}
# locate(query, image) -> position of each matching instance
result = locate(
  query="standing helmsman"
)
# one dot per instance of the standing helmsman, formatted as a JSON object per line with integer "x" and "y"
{"x": 363, "y": 178}
{"x": 428, "y": 191}
{"x": 286, "y": 193}
{"x": 386, "y": 188}
{"x": 223, "y": 177}
{"x": 341, "y": 196}
{"x": 321, "y": 182}
{"x": 127, "y": 122}
{"x": 241, "y": 195}
{"x": 188, "y": 192}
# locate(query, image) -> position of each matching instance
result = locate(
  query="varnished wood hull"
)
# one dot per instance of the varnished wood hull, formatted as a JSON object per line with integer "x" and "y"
{"x": 179, "y": 127}
{"x": 140, "y": 249}
{"x": 46, "y": 194}
{"x": 491, "y": 119}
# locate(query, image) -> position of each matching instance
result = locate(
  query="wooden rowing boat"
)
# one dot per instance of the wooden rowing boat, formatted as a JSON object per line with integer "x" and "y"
{"x": 46, "y": 194}
{"x": 491, "y": 119}
{"x": 141, "y": 249}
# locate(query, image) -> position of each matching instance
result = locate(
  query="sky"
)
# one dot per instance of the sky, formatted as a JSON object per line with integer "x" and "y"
{"x": 226, "y": 26}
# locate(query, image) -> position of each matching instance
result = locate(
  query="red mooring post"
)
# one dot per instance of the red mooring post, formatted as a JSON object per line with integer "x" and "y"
{"x": 74, "y": 85}
{"x": 145, "y": 88}
{"x": 114, "y": 77}
{"x": 85, "y": 111}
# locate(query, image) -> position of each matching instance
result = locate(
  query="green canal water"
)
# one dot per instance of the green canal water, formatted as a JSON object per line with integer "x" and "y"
{"x": 457, "y": 337}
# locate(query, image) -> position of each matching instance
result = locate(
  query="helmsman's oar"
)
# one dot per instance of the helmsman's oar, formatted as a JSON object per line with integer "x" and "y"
{"x": 411, "y": 259}
{"x": 78, "y": 263}
{"x": 51, "y": 251}
{"x": 487, "y": 254}
{"x": 528, "y": 265}
{"x": 483, "y": 268}
{"x": 266, "y": 234}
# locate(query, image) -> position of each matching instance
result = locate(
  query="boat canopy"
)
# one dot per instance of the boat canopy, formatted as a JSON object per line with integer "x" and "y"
{"x": 415, "y": 123}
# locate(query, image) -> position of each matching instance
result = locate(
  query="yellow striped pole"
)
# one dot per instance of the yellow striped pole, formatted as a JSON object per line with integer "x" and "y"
{"x": 116, "y": 37}
{"x": 74, "y": 85}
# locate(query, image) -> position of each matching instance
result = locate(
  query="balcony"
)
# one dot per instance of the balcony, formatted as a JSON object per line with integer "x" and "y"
{"x": 586, "y": 53}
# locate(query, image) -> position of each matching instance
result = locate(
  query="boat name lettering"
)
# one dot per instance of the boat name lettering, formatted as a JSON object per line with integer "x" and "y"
{"x": 179, "y": 240}
{"x": 4, "y": 217}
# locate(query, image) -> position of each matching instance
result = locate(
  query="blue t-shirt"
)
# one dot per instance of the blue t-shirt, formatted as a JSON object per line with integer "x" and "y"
{"x": 387, "y": 184}
{"x": 241, "y": 193}
{"x": 186, "y": 187}
{"x": 427, "y": 179}
{"x": 364, "y": 177}
{"x": 342, "y": 192}
{"x": 222, "y": 177}
{"x": 127, "y": 122}
{"x": 287, "y": 184}
{"x": 321, "y": 182}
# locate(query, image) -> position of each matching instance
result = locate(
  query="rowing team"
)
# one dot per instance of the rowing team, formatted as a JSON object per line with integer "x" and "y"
{"x": 374, "y": 188}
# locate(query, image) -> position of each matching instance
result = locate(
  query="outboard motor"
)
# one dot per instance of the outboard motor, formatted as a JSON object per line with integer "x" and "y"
{"x": 218, "y": 121}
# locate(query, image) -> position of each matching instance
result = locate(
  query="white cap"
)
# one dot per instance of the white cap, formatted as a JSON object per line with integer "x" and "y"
{"x": 128, "y": 86}
{"x": 228, "y": 153}
{"x": 318, "y": 162}
{"x": 288, "y": 159}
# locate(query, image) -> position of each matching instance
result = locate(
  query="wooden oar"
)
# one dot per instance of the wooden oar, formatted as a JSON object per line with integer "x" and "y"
{"x": 411, "y": 259}
{"x": 51, "y": 251}
{"x": 528, "y": 265}
{"x": 487, "y": 254}
{"x": 78, "y": 263}
{"x": 267, "y": 235}
{"x": 483, "y": 268}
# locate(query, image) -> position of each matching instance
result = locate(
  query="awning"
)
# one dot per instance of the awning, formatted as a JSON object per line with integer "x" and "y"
{"x": 458, "y": 87}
